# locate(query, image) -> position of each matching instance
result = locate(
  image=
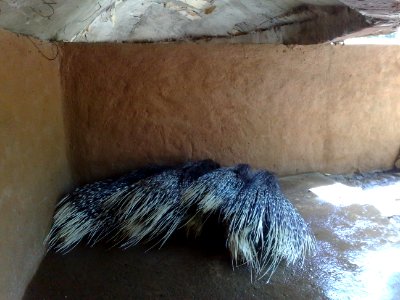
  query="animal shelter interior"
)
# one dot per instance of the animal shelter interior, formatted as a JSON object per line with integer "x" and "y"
{"x": 199, "y": 149}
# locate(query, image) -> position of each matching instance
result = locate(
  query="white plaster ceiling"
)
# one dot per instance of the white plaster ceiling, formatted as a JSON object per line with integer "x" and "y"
{"x": 160, "y": 20}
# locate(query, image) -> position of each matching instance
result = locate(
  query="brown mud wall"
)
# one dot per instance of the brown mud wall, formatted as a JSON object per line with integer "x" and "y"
{"x": 33, "y": 167}
{"x": 289, "y": 109}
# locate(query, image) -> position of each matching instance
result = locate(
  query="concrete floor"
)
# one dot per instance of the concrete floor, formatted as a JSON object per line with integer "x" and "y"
{"x": 358, "y": 257}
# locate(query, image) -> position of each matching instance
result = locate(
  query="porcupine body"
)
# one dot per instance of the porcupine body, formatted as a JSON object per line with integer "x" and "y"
{"x": 151, "y": 208}
{"x": 82, "y": 214}
{"x": 263, "y": 227}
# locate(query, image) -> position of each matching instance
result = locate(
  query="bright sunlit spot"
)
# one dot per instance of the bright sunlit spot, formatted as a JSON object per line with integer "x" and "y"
{"x": 386, "y": 199}
{"x": 380, "y": 271}
{"x": 378, "y": 264}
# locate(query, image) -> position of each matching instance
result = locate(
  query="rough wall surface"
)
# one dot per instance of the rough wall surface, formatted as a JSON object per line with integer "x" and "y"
{"x": 292, "y": 110}
{"x": 33, "y": 164}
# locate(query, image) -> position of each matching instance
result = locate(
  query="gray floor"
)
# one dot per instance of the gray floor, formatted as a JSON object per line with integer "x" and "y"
{"x": 358, "y": 256}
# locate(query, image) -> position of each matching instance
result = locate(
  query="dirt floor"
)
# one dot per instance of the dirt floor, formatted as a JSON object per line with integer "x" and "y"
{"x": 356, "y": 223}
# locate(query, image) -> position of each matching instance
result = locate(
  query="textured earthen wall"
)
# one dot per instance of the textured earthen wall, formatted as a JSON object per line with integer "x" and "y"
{"x": 33, "y": 164}
{"x": 301, "y": 109}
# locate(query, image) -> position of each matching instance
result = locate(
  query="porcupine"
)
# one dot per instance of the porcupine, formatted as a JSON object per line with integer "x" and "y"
{"x": 263, "y": 227}
{"x": 151, "y": 208}
{"x": 82, "y": 214}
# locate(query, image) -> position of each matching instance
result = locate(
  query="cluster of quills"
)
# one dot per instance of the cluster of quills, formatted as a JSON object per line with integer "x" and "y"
{"x": 149, "y": 204}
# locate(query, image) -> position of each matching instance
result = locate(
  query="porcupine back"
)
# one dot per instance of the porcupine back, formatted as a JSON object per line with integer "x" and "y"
{"x": 151, "y": 208}
{"x": 81, "y": 214}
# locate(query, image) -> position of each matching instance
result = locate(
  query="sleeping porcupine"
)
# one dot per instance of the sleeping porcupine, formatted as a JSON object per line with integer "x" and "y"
{"x": 262, "y": 226}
